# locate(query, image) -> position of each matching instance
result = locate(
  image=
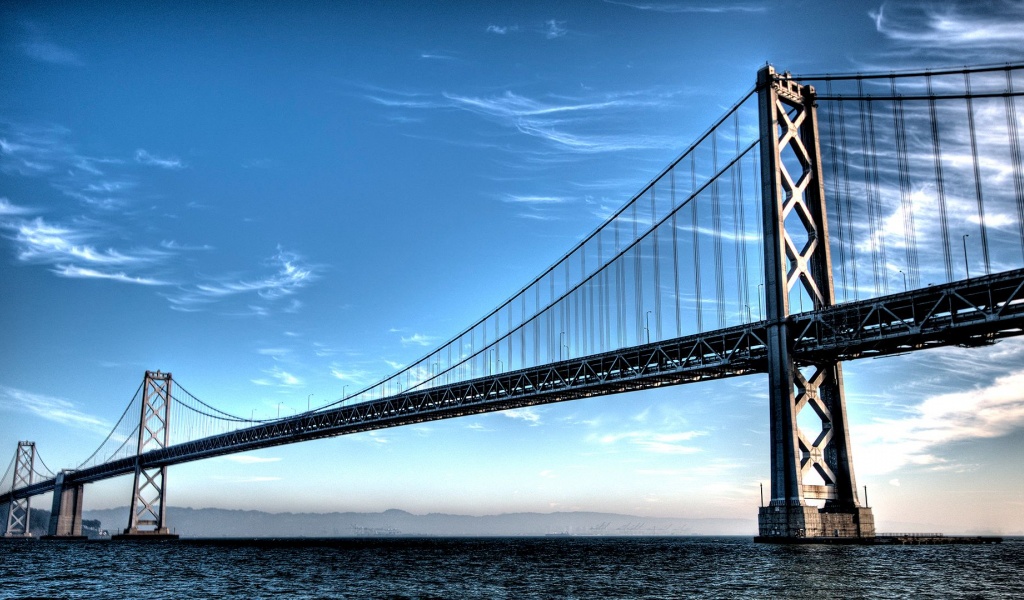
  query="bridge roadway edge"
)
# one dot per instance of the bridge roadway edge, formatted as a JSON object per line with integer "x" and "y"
{"x": 972, "y": 312}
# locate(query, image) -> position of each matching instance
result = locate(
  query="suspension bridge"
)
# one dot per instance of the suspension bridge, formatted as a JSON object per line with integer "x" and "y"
{"x": 821, "y": 219}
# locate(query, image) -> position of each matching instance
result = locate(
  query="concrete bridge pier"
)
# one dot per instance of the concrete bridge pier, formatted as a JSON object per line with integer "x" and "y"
{"x": 66, "y": 511}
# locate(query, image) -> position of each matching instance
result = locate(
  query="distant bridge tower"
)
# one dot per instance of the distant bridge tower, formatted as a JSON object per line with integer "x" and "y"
{"x": 813, "y": 465}
{"x": 19, "y": 512}
{"x": 149, "y": 508}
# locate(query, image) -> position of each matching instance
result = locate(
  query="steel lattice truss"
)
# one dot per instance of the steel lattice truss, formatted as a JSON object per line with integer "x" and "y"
{"x": 20, "y": 512}
{"x": 966, "y": 313}
{"x": 148, "y": 508}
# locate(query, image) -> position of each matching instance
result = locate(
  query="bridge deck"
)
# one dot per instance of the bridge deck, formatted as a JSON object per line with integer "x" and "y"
{"x": 972, "y": 312}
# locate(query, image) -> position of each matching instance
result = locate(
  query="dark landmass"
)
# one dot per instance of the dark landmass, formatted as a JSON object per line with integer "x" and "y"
{"x": 221, "y": 523}
{"x": 39, "y": 523}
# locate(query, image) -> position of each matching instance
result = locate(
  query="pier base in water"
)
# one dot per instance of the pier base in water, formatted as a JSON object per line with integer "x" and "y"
{"x": 159, "y": 535}
{"x": 811, "y": 523}
{"x": 897, "y": 539}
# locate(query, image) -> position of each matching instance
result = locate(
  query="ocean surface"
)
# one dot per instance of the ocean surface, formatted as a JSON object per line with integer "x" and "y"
{"x": 462, "y": 568}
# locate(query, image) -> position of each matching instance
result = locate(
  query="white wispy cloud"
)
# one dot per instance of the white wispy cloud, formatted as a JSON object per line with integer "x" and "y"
{"x": 932, "y": 426}
{"x": 510, "y": 104}
{"x": 653, "y": 441}
{"x": 248, "y": 459}
{"x": 48, "y": 52}
{"x": 691, "y": 7}
{"x": 74, "y": 272}
{"x": 502, "y": 29}
{"x": 554, "y": 29}
{"x": 528, "y": 414}
{"x": 291, "y": 275}
{"x": 174, "y": 245}
{"x": 566, "y": 123}
{"x": 242, "y": 479}
{"x": 995, "y": 24}
{"x": 546, "y": 120}
{"x": 357, "y": 377}
{"x": 53, "y": 409}
{"x": 145, "y": 158}
{"x": 68, "y": 252}
{"x": 8, "y": 209}
{"x": 284, "y": 377}
{"x": 418, "y": 339}
{"x": 533, "y": 199}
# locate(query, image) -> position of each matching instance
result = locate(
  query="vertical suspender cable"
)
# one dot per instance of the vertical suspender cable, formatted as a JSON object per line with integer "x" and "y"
{"x": 696, "y": 243}
{"x": 755, "y": 165}
{"x": 940, "y": 186}
{"x": 847, "y": 200}
{"x": 657, "y": 267}
{"x": 1015, "y": 154}
{"x": 742, "y": 245}
{"x": 675, "y": 254}
{"x": 638, "y": 283}
{"x": 977, "y": 173}
{"x": 716, "y": 221}
{"x": 875, "y": 206}
{"x": 903, "y": 168}
{"x": 833, "y": 150}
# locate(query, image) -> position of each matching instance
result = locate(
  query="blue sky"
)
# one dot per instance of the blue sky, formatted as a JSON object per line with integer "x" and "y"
{"x": 278, "y": 203}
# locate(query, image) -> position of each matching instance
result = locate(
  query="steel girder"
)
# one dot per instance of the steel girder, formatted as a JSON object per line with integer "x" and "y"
{"x": 965, "y": 313}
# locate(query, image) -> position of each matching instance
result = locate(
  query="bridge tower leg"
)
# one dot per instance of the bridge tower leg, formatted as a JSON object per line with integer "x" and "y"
{"x": 66, "y": 510}
{"x": 19, "y": 512}
{"x": 148, "y": 518}
{"x": 797, "y": 253}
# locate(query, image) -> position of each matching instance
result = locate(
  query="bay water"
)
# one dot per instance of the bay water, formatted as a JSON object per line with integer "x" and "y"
{"x": 547, "y": 567}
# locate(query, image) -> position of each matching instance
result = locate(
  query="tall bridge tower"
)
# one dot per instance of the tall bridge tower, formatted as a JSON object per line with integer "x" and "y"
{"x": 19, "y": 512}
{"x": 813, "y": 465}
{"x": 148, "y": 516}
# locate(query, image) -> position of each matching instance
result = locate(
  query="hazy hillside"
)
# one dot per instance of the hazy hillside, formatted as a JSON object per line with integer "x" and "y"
{"x": 213, "y": 522}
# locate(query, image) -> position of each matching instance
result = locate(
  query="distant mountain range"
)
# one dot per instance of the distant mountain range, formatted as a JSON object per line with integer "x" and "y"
{"x": 221, "y": 523}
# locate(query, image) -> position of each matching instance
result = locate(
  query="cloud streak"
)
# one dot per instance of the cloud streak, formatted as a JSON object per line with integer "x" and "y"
{"x": 248, "y": 459}
{"x": 653, "y": 442}
{"x": 944, "y": 25}
{"x": 568, "y": 124}
{"x": 529, "y": 415}
{"x": 940, "y": 420}
{"x": 50, "y": 53}
{"x": 690, "y": 8}
{"x": 68, "y": 251}
{"x": 145, "y": 158}
{"x": 291, "y": 275}
{"x": 49, "y": 408}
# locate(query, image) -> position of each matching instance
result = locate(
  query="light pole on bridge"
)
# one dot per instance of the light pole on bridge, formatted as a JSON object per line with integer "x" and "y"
{"x": 966, "y": 265}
